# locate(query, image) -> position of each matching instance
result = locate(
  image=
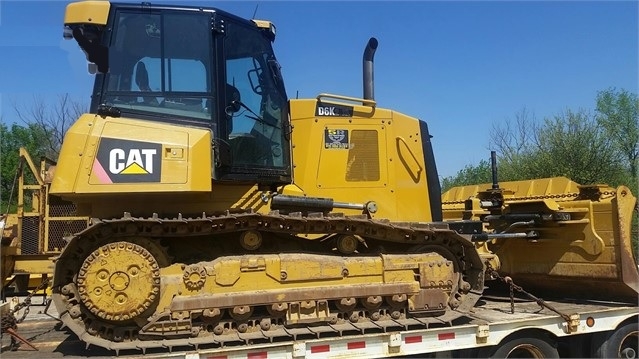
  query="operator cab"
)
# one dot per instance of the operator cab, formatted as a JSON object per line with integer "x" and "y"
{"x": 194, "y": 67}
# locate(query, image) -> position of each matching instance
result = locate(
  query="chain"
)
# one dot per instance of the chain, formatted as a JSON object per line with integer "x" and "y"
{"x": 9, "y": 320}
{"x": 547, "y": 196}
{"x": 13, "y": 186}
{"x": 512, "y": 297}
{"x": 513, "y": 287}
{"x": 528, "y": 198}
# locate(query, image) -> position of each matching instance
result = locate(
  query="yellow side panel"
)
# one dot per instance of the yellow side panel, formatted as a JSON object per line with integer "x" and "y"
{"x": 70, "y": 158}
{"x": 406, "y": 164}
{"x": 130, "y": 158}
{"x": 375, "y": 156}
{"x": 107, "y": 155}
{"x": 87, "y": 12}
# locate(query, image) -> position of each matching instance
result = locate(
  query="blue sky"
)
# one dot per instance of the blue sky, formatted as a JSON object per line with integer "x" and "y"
{"x": 460, "y": 66}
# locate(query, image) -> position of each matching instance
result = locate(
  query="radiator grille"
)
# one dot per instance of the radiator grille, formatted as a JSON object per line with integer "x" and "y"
{"x": 363, "y": 156}
{"x": 63, "y": 221}
{"x": 30, "y": 235}
{"x": 62, "y": 209}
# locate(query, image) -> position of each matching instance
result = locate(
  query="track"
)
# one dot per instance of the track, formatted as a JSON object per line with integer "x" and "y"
{"x": 199, "y": 313}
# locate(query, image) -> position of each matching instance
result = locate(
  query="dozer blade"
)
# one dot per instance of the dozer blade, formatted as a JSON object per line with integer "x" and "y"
{"x": 578, "y": 237}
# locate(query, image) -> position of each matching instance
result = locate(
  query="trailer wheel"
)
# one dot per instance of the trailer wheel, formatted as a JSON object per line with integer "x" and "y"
{"x": 620, "y": 343}
{"x": 525, "y": 345}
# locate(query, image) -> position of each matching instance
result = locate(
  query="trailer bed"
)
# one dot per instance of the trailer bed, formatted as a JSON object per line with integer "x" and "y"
{"x": 487, "y": 324}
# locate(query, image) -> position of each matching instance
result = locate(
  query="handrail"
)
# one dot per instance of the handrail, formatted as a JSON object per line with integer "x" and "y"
{"x": 365, "y": 102}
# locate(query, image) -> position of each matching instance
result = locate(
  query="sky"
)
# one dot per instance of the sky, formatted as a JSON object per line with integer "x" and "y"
{"x": 461, "y": 66}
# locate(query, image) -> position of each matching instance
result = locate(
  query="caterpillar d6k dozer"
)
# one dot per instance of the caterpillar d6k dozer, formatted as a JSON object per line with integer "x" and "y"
{"x": 223, "y": 213}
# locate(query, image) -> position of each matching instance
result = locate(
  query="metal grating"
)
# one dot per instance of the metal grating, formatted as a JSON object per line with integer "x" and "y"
{"x": 58, "y": 229}
{"x": 363, "y": 156}
{"x": 30, "y": 235}
{"x": 59, "y": 208}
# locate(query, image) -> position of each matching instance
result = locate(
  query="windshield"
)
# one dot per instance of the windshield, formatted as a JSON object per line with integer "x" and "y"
{"x": 161, "y": 64}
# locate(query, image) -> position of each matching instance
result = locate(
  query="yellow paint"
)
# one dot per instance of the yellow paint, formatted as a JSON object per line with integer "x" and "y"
{"x": 399, "y": 189}
{"x": 179, "y": 173}
{"x": 87, "y": 12}
{"x": 592, "y": 247}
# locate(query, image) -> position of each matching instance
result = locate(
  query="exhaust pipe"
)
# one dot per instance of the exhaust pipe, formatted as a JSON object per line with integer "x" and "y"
{"x": 369, "y": 53}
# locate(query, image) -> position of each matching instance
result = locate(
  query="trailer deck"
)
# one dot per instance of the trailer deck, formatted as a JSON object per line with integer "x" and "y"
{"x": 488, "y": 323}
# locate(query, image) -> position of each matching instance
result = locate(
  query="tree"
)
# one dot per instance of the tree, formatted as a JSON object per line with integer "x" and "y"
{"x": 52, "y": 120}
{"x": 618, "y": 114}
{"x": 587, "y": 149}
{"x": 573, "y": 145}
{"x": 470, "y": 174}
{"x": 13, "y": 138}
{"x": 570, "y": 144}
{"x": 511, "y": 140}
{"x": 41, "y": 132}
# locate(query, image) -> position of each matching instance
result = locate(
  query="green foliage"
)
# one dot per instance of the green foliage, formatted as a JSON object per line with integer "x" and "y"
{"x": 41, "y": 132}
{"x": 470, "y": 174}
{"x": 572, "y": 145}
{"x": 618, "y": 114}
{"x": 11, "y": 139}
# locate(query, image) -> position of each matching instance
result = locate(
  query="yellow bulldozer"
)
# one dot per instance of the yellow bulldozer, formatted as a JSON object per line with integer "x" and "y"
{"x": 222, "y": 212}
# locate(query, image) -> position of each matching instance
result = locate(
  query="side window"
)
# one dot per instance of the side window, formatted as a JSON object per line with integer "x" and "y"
{"x": 237, "y": 75}
{"x": 254, "y": 102}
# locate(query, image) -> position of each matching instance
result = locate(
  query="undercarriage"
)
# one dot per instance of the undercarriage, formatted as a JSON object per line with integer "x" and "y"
{"x": 138, "y": 283}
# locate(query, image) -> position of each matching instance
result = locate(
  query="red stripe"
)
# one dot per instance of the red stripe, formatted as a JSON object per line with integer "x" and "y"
{"x": 258, "y": 355}
{"x": 410, "y": 340}
{"x": 446, "y": 336}
{"x": 321, "y": 348}
{"x": 356, "y": 345}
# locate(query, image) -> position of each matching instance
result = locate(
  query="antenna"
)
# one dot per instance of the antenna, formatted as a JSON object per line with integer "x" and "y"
{"x": 255, "y": 12}
{"x": 493, "y": 166}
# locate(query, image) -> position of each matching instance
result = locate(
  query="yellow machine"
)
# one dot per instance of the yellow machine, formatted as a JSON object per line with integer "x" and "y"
{"x": 223, "y": 212}
{"x": 574, "y": 239}
{"x": 35, "y": 233}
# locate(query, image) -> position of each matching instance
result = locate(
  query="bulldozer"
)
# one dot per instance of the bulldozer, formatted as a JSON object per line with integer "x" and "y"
{"x": 222, "y": 212}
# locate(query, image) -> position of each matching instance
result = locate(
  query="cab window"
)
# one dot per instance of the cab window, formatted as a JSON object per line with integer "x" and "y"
{"x": 161, "y": 64}
{"x": 257, "y": 103}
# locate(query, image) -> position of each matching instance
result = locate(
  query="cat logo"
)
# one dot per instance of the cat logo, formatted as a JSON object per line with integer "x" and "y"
{"x": 121, "y": 161}
{"x": 137, "y": 162}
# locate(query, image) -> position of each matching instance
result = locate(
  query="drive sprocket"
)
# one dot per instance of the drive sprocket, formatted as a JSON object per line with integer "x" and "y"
{"x": 119, "y": 281}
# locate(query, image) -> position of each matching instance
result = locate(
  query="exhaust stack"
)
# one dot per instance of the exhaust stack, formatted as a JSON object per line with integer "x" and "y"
{"x": 369, "y": 53}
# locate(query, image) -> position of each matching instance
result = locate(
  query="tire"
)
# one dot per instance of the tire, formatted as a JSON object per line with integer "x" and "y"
{"x": 525, "y": 345}
{"x": 620, "y": 343}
